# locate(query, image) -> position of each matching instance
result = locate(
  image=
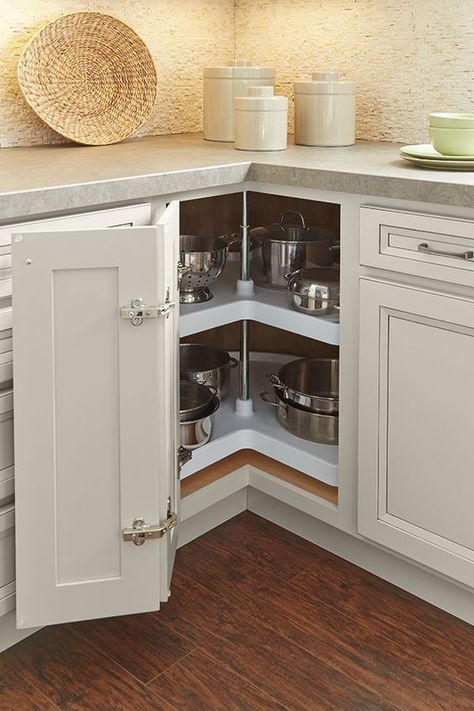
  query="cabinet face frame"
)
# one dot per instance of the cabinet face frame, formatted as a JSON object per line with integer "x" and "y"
{"x": 379, "y": 302}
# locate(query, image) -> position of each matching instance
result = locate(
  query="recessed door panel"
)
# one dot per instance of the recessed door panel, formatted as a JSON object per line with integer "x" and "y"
{"x": 416, "y": 425}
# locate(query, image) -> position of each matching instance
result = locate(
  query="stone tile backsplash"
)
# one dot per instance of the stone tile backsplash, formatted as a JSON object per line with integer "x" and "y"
{"x": 408, "y": 57}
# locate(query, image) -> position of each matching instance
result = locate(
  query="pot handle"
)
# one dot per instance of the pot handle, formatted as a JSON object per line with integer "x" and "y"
{"x": 233, "y": 362}
{"x": 335, "y": 246}
{"x": 281, "y": 219}
{"x": 183, "y": 269}
{"x": 269, "y": 398}
{"x": 231, "y": 239}
{"x": 275, "y": 380}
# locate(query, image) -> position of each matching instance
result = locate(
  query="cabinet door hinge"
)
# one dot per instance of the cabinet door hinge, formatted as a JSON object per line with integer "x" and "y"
{"x": 138, "y": 311}
{"x": 141, "y": 531}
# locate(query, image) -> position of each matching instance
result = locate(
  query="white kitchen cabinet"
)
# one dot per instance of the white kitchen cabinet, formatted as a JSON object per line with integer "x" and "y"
{"x": 96, "y": 418}
{"x": 416, "y": 425}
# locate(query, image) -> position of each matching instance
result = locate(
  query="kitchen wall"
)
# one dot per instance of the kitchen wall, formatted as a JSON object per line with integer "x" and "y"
{"x": 409, "y": 57}
{"x": 182, "y": 35}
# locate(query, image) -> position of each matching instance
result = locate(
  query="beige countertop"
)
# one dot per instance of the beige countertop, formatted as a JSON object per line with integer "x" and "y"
{"x": 43, "y": 179}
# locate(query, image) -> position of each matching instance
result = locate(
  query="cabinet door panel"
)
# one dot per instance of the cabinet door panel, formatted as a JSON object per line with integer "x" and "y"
{"x": 91, "y": 451}
{"x": 416, "y": 392}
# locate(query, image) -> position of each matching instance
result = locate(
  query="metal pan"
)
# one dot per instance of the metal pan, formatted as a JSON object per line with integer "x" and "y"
{"x": 311, "y": 383}
{"x": 311, "y": 426}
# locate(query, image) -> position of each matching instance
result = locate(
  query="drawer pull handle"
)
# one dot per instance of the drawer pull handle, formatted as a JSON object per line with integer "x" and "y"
{"x": 426, "y": 249}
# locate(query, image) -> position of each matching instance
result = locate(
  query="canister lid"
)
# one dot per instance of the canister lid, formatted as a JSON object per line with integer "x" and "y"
{"x": 239, "y": 69}
{"x": 325, "y": 83}
{"x": 260, "y": 98}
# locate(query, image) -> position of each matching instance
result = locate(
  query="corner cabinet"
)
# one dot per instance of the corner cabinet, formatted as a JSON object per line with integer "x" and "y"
{"x": 96, "y": 419}
{"x": 416, "y": 425}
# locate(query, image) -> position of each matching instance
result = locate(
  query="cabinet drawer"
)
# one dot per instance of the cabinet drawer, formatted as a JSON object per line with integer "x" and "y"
{"x": 430, "y": 246}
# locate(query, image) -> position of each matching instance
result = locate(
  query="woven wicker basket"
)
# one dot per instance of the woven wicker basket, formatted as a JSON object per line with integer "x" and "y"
{"x": 90, "y": 77}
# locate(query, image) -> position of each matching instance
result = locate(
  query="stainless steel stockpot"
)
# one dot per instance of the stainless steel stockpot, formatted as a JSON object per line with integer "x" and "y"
{"x": 282, "y": 248}
{"x": 309, "y": 383}
{"x": 312, "y": 426}
{"x": 201, "y": 262}
{"x": 197, "y": 404}
{"x": 314, "y": 291}
{"x": 206, "y": 365}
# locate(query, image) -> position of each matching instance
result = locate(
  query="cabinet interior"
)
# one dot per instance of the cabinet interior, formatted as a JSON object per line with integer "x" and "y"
{"x": 276, "y": 335}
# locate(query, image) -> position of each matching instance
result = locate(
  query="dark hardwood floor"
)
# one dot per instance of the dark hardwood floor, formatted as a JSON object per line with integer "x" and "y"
{"x": 258, "y": 619}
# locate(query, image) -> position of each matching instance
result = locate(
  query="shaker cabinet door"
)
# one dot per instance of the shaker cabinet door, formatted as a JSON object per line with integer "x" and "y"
{"x": 95, "y": 419}
{"x": 416, "y": 426}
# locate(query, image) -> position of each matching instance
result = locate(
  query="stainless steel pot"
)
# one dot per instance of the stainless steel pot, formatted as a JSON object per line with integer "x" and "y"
{"x": 311, "y": 426}
{"x": 195, "y": 429}
{"x": 309, "y": 383}
{"x": 314, "y": 291}
{"x": 194, "y": 401}
{"x": 201, "y": 262}
{"x": 281, "y": 248}
{"x": 206, "y": 365}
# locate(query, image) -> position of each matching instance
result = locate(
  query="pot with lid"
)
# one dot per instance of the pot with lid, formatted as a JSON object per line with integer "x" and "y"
{"x": 287, "y": 246}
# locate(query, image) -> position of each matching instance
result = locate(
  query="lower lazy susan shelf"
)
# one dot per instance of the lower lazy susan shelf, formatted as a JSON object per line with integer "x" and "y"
{"x": 262, "y": 431}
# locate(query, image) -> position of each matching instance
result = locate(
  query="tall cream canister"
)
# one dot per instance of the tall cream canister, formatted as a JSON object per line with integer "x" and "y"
{"x": 325, "y": 109}
{"x": 261, "y": 120}
{"x": 221, "y": 85}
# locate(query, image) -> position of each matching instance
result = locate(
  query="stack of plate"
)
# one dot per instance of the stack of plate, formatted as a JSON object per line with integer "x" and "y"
{"x": 427, "y": 157}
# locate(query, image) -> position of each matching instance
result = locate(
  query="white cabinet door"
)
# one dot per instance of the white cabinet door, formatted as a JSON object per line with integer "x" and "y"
{"x": 416, "y": 425}
{"x": 95, "y": 419}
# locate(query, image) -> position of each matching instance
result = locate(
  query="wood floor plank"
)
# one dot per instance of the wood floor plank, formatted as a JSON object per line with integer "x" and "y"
{"x": 201, "y": 683}
{"x": 285, "y": 671}
{"x": 17, "y": 694}
{"x": 193, "y": 609}
{"x": 76, "y": 677}
{"x": 141, "y": 644}
{"x": 265, "y": 545}
{"x": 361, "y": 652}
{"x": 222, "y": 571}
{"x": 408, "y": 621}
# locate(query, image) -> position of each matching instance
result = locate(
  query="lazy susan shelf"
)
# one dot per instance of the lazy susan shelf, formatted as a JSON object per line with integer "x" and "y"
{"x": 266, "y": 306}
{"x": 262, "y": 431}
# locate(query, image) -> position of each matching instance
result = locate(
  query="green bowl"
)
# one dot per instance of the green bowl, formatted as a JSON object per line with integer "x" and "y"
{"x": 453, "y": 141}
{"x": 440, "y": 120}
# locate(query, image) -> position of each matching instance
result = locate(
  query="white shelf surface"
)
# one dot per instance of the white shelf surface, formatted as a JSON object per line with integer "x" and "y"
{"x": 266, "y": 306}
{"x": 262, "y": 431}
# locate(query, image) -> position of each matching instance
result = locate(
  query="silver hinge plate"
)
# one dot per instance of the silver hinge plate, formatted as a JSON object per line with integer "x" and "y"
{"x": 141, "y": 531}
{"x": 138, "y": 311}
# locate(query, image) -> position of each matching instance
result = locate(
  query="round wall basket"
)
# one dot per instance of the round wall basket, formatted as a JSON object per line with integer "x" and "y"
{"x": 90, "y": 77}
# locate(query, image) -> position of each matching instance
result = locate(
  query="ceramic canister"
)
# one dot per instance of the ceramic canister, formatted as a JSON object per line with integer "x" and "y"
{"x": 261, "y": 120}
{"x": 221, "y": 85}
{"x": 325, "y": 111}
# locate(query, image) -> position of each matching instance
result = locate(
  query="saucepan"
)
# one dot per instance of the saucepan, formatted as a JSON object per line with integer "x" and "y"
{"x": 314, "y": 291}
